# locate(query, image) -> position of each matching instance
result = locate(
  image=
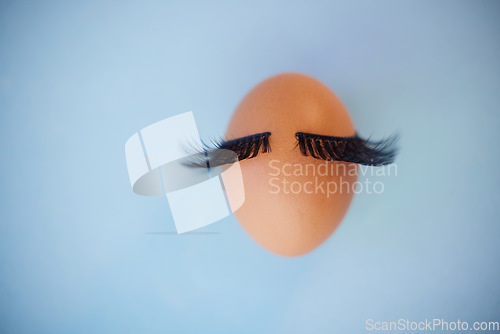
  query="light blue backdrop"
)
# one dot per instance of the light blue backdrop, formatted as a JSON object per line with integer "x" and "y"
{"x": 78, "y": 78}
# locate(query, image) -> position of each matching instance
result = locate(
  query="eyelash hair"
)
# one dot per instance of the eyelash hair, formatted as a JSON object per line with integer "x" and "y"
{"x": 348, "y": 149}
{"x": 222, "y": 152}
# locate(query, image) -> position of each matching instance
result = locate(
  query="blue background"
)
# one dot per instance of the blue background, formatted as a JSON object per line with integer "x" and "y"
{"x": 77, "y": 79}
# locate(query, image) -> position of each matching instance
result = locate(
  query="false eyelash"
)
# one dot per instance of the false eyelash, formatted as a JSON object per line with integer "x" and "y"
{"x": 348, "y": 149}
{"x": 225, "y": 152}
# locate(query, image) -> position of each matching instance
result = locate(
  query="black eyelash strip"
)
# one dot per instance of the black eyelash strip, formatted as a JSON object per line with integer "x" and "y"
{"x": 348, "y": 149}
{"x": 225, "y": 152}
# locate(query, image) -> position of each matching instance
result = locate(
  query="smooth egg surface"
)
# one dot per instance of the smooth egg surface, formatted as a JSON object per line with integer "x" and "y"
{"x": 286, "y": 210}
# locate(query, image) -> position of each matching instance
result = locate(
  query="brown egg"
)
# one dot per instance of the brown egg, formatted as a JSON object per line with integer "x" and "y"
{"x": 285, "y": 210}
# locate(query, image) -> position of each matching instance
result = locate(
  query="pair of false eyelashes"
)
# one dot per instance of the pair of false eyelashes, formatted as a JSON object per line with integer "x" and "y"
{"x": 330, "y": 148}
